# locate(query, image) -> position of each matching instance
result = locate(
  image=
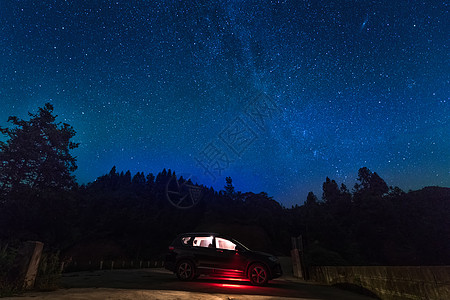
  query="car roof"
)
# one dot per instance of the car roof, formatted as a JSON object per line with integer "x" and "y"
{"x": 199, "y": 234}
{"x": 207, "y": 234}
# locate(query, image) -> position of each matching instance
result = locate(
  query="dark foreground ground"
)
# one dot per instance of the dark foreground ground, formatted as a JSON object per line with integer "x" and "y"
{"x": 161, "y": 284}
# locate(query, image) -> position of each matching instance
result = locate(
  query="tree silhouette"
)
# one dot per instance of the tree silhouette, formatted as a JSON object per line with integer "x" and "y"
{"x": 370, "y": 184}
{"x": 38, "y": 190}
{"x": 229, "y": 188}
{"x": 331, "y": 191}
{"x": 37, "y": 154}
{"x": 311, "y": 199}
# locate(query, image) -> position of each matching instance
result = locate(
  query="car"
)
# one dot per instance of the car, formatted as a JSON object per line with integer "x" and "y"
{"x": 193, "y": 254}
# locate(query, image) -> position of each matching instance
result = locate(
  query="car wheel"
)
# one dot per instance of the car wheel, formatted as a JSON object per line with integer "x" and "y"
{"x": 185, "y": 270}
{"x": 257, "y": 274}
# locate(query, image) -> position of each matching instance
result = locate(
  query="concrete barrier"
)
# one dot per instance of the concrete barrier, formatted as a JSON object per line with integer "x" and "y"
{"x": 390, "y": 283}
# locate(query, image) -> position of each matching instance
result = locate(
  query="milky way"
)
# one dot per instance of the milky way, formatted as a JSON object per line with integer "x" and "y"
{"x": 276, "y": 94}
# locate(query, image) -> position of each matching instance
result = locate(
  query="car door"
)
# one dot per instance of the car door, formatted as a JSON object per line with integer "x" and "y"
{"x": 227, "y": 256}
{"x": 204, "y": 252}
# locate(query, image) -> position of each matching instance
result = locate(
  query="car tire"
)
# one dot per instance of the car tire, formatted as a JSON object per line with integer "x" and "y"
{"x": 185, "y": 270}
{"x": 258, "y": 275}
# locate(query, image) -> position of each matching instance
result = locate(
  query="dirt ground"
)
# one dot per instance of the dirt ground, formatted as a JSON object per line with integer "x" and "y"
{"x": 122, "y": 294}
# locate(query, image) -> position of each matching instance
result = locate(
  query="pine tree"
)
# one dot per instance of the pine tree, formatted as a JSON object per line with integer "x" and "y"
{"x": 229, "y": 188}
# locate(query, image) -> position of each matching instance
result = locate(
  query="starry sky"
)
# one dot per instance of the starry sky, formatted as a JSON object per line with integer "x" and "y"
{"x": 276, "y": 94}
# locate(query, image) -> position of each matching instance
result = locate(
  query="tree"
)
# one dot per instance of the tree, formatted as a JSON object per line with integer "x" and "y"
{"x": 229, "y": 188}
{"x": 138, "y": 179}
{"x": 311, "y": 199}
{"x": 36, "y": 154}
{"x": 370, "y": 184}
{"x": 331, "y": 192}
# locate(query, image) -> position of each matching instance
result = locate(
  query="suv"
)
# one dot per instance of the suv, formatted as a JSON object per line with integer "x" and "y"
{"x": 194, "y": 254}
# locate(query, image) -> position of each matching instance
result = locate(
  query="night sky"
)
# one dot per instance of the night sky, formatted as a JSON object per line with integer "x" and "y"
{"x": 276, "y": 94}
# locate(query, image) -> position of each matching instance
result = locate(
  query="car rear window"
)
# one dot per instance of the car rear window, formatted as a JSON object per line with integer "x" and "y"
{"x": 185, "y": 240}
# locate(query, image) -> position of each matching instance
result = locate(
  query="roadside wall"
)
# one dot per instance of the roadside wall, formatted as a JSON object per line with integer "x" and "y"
{"x": 390, "y": 283}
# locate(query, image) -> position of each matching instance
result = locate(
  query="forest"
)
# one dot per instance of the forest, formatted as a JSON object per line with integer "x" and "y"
{"x": 124, "y": 215}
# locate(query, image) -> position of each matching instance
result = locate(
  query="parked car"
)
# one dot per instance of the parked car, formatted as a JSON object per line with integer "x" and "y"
{"x": 193, "y": 254}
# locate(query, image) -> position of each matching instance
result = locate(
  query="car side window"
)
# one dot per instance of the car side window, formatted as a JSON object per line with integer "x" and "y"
{"x": 203, "y": 241}
{"x": 225, "y": 244}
